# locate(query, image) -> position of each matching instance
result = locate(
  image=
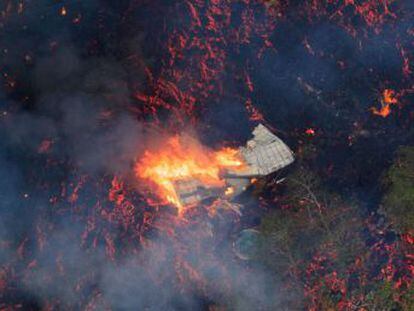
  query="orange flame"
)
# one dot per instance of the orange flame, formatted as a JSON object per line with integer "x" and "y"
{"x": 229, "y": 191}
{"x": 388, "y": 99}
{"x": 63, "y": 11}
{"x": 184, "y": 158}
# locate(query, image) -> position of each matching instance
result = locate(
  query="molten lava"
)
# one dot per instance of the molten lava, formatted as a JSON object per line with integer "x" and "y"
{"x": 387, "y": 101}
{"x": 182, "y": 158}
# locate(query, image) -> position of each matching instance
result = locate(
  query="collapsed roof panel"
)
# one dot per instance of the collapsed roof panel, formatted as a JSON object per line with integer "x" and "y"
{"x": 264, "y": 154}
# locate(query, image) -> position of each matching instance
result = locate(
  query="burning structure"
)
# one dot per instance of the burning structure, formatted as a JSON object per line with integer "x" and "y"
{"x": 187, "y": 173}
{"x": 84, "y": 82}
{"x": 264, "y": 154}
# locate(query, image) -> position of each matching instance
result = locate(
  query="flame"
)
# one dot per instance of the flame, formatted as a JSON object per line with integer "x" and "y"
{"x": 388, "y": 99}
{"x": 229, "y": 191}
{"x": 184, "y": 158}
{"x": 63, "y": 11}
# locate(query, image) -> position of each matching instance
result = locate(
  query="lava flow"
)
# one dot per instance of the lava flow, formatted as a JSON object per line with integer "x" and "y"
{"x": 387, "y": 101}
{"x": 85, "y": 87}
{"x": 183, "y": 158}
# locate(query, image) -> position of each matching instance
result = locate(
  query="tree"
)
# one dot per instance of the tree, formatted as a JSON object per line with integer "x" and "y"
{"x": 398, "y": 201}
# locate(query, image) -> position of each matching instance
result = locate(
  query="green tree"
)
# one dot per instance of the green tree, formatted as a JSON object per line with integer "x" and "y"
{"x": 385, "y": 297}
{"x": 315, "y": 220}
{"x": 398, "y": 201}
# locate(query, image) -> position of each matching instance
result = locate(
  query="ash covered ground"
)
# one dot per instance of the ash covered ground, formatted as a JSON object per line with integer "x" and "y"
{"x": 87, "y": 87}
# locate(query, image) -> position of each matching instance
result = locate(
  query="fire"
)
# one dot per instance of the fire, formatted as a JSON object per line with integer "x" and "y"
{"x": 388, "y": 99}
{"x": 183, "y": 158}
{"x": 63, "y": 11}
{"x": 229, "y": 191}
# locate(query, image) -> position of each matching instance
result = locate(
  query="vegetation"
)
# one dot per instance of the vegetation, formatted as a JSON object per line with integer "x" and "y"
{"x": 398, "y": 202}
{"x": 324, "y": 244}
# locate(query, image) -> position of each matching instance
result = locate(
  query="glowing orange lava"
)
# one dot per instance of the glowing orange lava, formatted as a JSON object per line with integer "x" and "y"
{"x": 63, "y": 11}
{"x": 387, "y": 101}
{"x": 183, "y": 158}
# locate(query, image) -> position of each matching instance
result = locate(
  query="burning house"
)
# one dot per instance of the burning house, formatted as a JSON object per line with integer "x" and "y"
{"x": 262, "y": 155}
{"x": 109, "y": 202}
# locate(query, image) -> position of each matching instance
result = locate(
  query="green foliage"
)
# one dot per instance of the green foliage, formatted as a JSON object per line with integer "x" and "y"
{"x": 407, "y": 299}
{"x": 316, "y": 220}
{"x": 382, "y": 297}
{"x": 316, "y": 223}
{"x": 385, "y": 297}
{"x": 398, "y": 200}
{"x": 278, "y": 248}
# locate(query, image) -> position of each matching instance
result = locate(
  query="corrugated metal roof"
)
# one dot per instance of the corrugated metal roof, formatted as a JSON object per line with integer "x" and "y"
{"x": 264, "y": 154}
